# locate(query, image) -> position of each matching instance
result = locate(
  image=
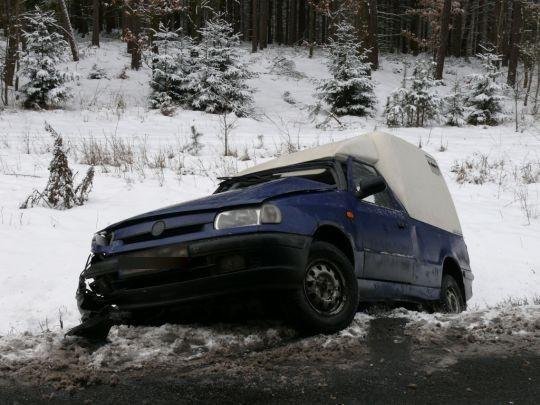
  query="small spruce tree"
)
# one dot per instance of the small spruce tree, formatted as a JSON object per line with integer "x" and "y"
{"x": 455, "y": 108}
{"x": 170, "y": 68}
{"x": 59, "y": 193}
{"x": 59, "y": 190}
{"x": 416, "y": 102}
{"x": 483, "y": 97}
{"x": 217, "y": 82}
{"x": 350, "y": 89}
{"x": 44, "y": 49}
{"x": 97, "y": 73}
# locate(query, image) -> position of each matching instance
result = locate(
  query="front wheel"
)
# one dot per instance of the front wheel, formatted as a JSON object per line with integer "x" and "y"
{"x": 451, "y": 300}
{"x": 328, "y": 298}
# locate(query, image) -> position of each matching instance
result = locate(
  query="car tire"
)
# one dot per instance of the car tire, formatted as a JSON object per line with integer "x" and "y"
{"x": 328, "y": 298}
{"x": 451, "y": 299}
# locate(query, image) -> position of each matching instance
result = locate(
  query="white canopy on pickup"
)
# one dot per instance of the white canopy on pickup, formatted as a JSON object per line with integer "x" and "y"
{"x": 412, "y": 174}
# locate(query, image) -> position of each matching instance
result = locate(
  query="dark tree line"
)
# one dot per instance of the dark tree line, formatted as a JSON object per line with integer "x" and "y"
{"x": 460, "y": 28}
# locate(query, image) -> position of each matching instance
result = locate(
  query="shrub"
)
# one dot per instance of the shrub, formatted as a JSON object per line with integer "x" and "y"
{"x": 59, "y": 193}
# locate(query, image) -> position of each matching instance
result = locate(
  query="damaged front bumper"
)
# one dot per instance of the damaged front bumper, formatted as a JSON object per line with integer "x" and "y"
{"x": 175, "y": 274}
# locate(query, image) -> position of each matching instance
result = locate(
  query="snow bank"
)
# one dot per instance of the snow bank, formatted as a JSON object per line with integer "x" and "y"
{"x": 131, "y": 347}
{"x": 487, "y": 325}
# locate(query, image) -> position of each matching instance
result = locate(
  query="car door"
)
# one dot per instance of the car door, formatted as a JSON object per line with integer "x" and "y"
{"x": 385, "y": 231}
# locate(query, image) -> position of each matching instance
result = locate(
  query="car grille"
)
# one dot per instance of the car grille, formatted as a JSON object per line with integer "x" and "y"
{"x": 145, "y": 237}
{"x": 187, "y": 269}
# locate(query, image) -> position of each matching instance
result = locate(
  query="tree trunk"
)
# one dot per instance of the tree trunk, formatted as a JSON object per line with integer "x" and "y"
{"x": 537, "y": 92}
{"x": 95, "y": 22}
{"x": 471, "y": 48}
{"x": 11, "y": 9}
{"x": 528, "y": 85}
{"x": 263, "y": 24}
{"x": 455, "y": 35}
{"x": 443, "y": 39}
{"x": 372, "y": 35}
{"x": 279, "y": 22}
{"x": 135, "y": 39}
{"x": 506, "y": 28}
{"x": 493, "y": 29}
{"x": 301, "y": 20}
{"x": 514, "y": 42}
{"x": 311, "y": 33}
{"x": 482, "y": 21}
{"x": 414, "y": 25}
{"x": 126, "y": 24}
{"x": 254, "y": 25}
{"x": 68, "y": 30}
{"x": 292, "y": 20}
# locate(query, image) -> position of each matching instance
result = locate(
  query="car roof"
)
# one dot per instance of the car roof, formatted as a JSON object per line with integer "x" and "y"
{"x": 360, "y": 146}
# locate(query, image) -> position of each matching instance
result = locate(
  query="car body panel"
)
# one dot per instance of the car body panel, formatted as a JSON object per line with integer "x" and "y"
{"x": 234, "y": 198}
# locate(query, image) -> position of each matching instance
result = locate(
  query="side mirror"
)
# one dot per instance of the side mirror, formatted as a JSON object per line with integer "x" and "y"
{"x": 370, "y": 186}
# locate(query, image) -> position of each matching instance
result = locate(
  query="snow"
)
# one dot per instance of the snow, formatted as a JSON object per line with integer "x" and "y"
{"x": 484, "y": 325}
{"x": 131, "y": 347}
{"x": 42, "y": 251}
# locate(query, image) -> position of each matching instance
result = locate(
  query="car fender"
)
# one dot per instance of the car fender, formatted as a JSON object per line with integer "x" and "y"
{"x": 311, "y": 211}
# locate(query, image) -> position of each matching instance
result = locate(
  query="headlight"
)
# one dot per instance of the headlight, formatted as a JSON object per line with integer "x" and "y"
{"x": 267, "y": 214}
{"x": 101, "y": 239}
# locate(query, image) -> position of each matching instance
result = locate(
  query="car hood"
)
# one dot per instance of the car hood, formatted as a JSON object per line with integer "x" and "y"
{"x": 248, "y": 196}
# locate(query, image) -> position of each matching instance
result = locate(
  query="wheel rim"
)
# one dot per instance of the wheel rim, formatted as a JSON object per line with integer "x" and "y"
{"x": 452, "y": 301}
{"x": 324, "y": 288}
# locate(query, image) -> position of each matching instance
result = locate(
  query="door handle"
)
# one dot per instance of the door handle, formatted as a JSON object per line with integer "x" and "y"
{"x": 401, "y": 225}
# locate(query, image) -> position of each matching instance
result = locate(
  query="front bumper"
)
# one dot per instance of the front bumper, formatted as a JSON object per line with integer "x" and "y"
{"x": 212, "y": 267}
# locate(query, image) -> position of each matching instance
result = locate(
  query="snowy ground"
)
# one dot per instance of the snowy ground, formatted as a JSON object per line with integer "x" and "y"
{"x": 42, "y": 251}
{"x": 262, "y": 352}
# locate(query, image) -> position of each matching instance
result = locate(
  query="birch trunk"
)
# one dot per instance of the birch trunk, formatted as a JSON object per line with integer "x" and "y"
{"x": 68, "y": 30}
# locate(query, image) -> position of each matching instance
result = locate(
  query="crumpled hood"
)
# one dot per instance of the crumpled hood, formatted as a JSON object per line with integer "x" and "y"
{"x": 248, "y": 196}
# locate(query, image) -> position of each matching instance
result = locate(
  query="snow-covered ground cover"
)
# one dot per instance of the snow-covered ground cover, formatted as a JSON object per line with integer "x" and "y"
{"x": 150, "y": 163}
{"x": 485, "y": 325}
{"x": 134, "y": 348}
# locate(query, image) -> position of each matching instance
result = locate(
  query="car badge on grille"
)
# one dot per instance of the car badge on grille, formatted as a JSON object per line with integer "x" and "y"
{"x": 158, "y": 228}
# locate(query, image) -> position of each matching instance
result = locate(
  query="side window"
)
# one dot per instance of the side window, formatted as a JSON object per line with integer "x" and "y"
{"x": 361, "y": 172}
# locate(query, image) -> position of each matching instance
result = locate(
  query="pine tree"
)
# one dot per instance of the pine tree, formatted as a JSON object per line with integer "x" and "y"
{"x": 416, "y": 102}
{"x": 170, "y": 68}
{"x": 59, "y": 190}
{"x": 483, "y": 97}
{"x": 217, "y": 82}
{"x": 455, "y": 108}
{"x": 350, "y": 89}
{"x": 427, "y": 104}
{"x": 97, "y": 73}
{"x": 85, "y": 187}
{"x": 395, "y": 109}
{"x": 59, "y": 193}
{"x": 45, "y": 49}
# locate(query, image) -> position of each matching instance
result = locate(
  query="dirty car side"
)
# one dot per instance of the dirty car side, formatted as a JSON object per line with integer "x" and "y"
{"x": 176, "y": 254}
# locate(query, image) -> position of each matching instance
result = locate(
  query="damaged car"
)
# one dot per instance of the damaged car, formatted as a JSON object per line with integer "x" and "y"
{"x": 366, "y": 219}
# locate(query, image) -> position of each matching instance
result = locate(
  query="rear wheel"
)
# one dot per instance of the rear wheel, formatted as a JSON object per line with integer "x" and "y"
{"x": 328, "y": 298}
{"x": 451, "y": 300}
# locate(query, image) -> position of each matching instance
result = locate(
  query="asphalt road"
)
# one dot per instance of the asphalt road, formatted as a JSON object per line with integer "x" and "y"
{"x": 388, "y": 367}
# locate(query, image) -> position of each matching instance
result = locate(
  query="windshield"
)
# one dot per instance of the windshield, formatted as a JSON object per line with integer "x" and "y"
{"x": 322, "y": 174}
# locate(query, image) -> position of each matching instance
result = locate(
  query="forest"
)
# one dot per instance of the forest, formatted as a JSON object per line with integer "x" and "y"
{"x": 442, "y": 27}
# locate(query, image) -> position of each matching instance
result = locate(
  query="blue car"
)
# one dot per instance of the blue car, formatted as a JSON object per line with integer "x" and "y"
{"x": 365, "y": 219}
